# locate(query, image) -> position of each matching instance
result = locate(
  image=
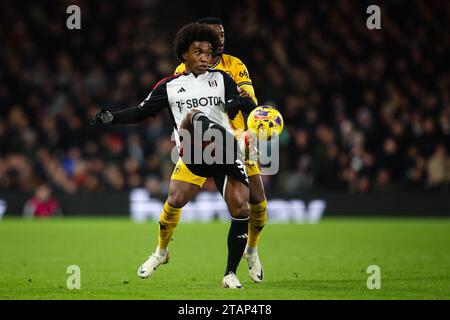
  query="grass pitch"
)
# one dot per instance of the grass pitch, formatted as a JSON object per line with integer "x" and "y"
{"x": 324, "y": 261}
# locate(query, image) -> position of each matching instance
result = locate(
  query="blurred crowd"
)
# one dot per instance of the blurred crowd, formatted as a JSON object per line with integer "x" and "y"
{"x": 365, "y": 110}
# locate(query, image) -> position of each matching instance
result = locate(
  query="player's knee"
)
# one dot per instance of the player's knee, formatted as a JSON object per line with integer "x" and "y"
{"x": 177, "y": 200}
{"x": 190, "y": 114}
{"x": 240, "y": 210}
{"x": 257, "y": 198}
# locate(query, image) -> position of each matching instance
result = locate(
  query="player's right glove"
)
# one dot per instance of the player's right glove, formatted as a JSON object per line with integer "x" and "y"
{"x": 103, "y": 117}
{"x": 233, "y": 106}
{"x": 239, "y": 103}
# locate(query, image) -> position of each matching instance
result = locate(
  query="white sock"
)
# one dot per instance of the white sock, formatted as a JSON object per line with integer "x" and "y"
{"x": 251, "y": 250}
{"x": 161, "y": 252}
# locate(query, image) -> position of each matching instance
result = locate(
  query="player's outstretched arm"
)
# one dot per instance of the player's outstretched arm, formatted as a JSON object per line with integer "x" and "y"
{"x": 127, "y": 116}
{"x": 155, "y": 102}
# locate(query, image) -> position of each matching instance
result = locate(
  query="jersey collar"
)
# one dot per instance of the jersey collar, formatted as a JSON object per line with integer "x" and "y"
{"x": 200, "y": 76}
{"x": 216, "y": 64}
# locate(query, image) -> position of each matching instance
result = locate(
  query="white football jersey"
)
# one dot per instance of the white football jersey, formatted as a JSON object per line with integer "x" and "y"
{"x": 181, "y": 93}
{"x": 210, "y": 93}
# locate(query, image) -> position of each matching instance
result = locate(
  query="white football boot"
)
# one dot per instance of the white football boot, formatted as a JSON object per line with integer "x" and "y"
{"x": 153, "y": 262}
{"x": 231, "y": 281}
{"x": 255, "y": 269}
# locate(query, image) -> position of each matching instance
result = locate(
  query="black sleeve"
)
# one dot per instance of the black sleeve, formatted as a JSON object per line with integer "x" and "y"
{"x": 155, "y": 102}
{"x": 246, "y": 104}
{"x": 230, "y": 86}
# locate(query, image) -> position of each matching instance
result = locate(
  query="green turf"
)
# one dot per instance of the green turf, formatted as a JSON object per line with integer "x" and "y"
{"x": 323, "y": 261}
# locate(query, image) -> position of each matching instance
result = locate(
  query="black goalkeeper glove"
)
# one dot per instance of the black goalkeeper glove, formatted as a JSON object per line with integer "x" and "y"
{"x": 103, "y": 117}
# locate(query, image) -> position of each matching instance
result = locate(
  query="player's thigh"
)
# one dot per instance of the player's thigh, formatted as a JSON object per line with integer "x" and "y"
{"x": 181, "y": 192}
{"x": 257, "y": 194}
{"x": 236, "y": 196}
{"x": 184, "y": 185}
{"x": 183, "y": 173}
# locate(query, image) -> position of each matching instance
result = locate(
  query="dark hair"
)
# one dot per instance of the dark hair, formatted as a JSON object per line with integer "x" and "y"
{"x": 210, "y": 20}
{"x": 194, "y": 32}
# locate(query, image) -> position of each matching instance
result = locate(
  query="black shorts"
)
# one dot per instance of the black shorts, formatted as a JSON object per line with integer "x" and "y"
{"x": 231, "y": 164}
{"x": 237, "y": 171}
{"x": 221, "y": 172}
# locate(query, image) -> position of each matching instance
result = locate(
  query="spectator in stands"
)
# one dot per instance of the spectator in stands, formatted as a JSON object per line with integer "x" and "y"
{"x": 438, "y": 167}
{"x": 364, "y": 109}
{"x": 42, "y": 204}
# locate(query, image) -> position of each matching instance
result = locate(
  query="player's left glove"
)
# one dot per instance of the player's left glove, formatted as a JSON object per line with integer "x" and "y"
{"x": 103, "y": 117}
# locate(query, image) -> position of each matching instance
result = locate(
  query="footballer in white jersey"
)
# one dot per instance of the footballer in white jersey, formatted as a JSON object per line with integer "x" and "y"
{"x": 181, "y": 93}
{"x": 201, "y": 100}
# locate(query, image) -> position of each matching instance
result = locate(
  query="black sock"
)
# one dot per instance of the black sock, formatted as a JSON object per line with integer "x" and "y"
{"x": 237, "y": 239}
